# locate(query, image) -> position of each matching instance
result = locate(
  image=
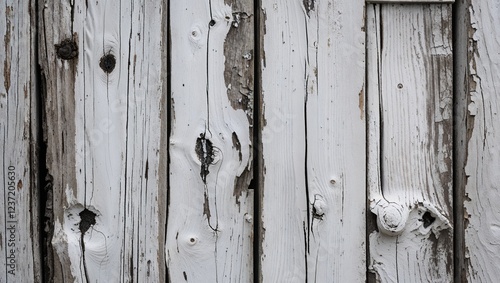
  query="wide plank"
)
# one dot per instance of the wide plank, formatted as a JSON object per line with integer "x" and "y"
{"x": 210, "y": 214}
{"x": 103, "y": 69}
{"x": 312, "y": 171}
{"x": 410, "y": 142}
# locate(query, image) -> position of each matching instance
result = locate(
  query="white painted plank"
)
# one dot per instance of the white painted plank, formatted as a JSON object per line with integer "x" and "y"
{"x": 479, "y": 123}
{"x": 210, "y": 229}
{"x": 410, "y": 142}
{"x": 19, "y": 227}
{"x": 106, "y": 141}
{"x": 313, "y": 140}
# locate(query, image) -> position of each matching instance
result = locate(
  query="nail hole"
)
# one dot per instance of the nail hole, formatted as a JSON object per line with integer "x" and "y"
{"x": 400, "y": 85}
{"x": 192, "y": 240}
{"x": 67, "y": 49}
{"x": 212, "y": 23}
{"x": 107, "y": 63}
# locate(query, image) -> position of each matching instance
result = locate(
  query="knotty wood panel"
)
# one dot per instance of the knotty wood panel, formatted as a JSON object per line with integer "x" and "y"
{"x": 19, "y": 215}
{"x": 478, "y": 137}
{"x": 210, "y": 219}
{"x": 313, "y": 140}
{"x": 105, "y": 130}
{"x": 410, "y": 142}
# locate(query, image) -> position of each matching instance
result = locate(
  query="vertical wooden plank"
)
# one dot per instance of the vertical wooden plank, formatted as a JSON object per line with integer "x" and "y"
{"x": 478, "y": 138}
{"x": 210, "y": 230}
{"x": 410, "y": 142}
{"x": 19, "y": 226}
{"x": 106, "y": 145}
{"x": 313, "y": 140}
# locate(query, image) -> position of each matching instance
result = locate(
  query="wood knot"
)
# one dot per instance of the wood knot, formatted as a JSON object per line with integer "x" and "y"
{"x": 205, "y": 151}
{"x": 107, "y": 63}
{"x": 87, "y": 219}
{"x": 391, "y": 218}
{"x": 67, "y": 49}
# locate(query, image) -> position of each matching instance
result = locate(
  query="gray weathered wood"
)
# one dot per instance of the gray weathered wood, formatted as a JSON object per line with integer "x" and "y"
{"x": 105, "y": 130}
{"x": 313, "y": 141}
{"x": 19, "y": 215}
{"x": 478, "y": 139}
{"x": 410, "y": 142}
{"x": 210, "y": 219}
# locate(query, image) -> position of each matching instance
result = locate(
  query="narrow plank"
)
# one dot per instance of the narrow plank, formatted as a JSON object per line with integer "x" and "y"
{"x": 478, "y": 135}
{"x": 410, "y": 142}
{"x": 313, "y": 139}
{"x": 106, "y": 142}
{"x": 210, "y": 218}
{"x": 19, "y": 226}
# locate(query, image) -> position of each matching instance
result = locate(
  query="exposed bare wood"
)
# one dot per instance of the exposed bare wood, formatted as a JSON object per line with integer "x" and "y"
{"x": 19, "y": 215}
{"x": 106, "y": 145}
{"x": 210, "y": 223}
{"x": 410, "y": 142}
{"x": 313, "y": 136}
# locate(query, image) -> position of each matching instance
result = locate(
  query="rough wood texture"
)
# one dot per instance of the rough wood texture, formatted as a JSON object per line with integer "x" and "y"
{"x": 210, "y": 225}
{"x": 313, "y": 139}
{"x": 19, "y": 225}
{"x": 410, "y": 142}
{"x": 106, "y": 139}
{"x": 478, "y": 128}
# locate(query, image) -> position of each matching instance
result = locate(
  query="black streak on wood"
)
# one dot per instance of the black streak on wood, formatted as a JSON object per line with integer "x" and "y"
{"x": 67, "y": 49}
{"x": 87, "y": 219}
{"x": 205, "y": 151}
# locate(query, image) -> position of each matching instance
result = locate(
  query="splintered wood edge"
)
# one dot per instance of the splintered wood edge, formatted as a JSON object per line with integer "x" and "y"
{"x": 409, "y": 1}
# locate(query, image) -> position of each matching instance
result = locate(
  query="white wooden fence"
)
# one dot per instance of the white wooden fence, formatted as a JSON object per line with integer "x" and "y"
{"x": 250, "y": 141}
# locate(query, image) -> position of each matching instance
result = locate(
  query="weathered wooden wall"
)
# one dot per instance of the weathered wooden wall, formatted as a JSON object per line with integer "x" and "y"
{"x": 250, "y": 140}
{"x": 19, "y": 130}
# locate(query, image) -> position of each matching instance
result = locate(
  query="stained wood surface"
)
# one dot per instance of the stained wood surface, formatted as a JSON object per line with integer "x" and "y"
{"x": 210, "y": 222}
{"x": 478, "y": 132}
{"x": 313, "y": 135}
{"x": 105, "y": 131}
{"x": 410, "y": 142}
{"x": 19, "y": 222}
